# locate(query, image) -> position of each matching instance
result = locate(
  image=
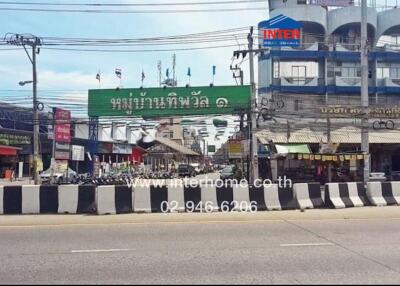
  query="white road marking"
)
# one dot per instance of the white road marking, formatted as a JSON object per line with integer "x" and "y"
{"x": 100, "y": 250}
{"x": 306, "y": 244}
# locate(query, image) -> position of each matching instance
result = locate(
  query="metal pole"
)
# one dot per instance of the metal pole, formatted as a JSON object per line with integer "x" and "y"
{"x": 253, "y": 138}
{"x": 328, "y": 122}
{"x": 35, "y": 119}
{"x": 364, "y": 90}
{"x": 53, "y": 151}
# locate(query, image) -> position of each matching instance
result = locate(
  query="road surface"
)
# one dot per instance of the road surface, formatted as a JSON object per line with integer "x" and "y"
{"x": 317, "y": 246}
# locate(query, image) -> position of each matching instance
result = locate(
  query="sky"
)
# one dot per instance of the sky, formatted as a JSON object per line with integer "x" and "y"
{"x": 76, "y": 71}
{"x": 65, "y": 77}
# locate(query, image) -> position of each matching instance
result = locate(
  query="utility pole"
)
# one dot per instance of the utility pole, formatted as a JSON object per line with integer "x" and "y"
{"x": 159, "y": 68}
{"x": 252, "y": 114}
{"x": 364, "y": 91}
{"x": 253, "y": 138}
{"x": 34, "y": 43}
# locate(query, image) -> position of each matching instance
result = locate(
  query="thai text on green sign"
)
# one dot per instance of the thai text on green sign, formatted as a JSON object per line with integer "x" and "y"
{"x": 13, "y": 139}
{"x": 179, "y": 101}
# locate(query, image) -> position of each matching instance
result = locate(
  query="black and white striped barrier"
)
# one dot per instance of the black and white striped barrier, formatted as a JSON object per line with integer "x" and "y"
{"x": 114, "y": 199}
{"x": 74, "y": 199}
{"x": 308, "y": 195}
{"x": 29, "y": 199}
{"x": 210, "y": 198}
{"x": 345, "y": 195}
{"x": 272, "y": 197}
{"x": 384, "y": 193}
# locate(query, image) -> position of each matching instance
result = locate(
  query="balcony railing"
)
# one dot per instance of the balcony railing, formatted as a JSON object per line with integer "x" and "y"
{"x": 391, "y": 82}
{"x": 299, "y": 81}
{"x": 303, "y": 47}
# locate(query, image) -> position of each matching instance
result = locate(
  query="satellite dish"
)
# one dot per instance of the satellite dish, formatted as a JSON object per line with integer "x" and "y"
{"x": 136, "y": 135}
{"x": 220, "y": 123}
{"x": 149, "y": 135}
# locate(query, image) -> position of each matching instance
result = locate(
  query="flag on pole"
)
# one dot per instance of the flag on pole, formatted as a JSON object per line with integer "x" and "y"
{"x": 98, "y": 76}
{"x": 214, "y": 68}
{"x": 167, "y": 73}
{"x": 189, "y": 72}
{"x": 118, "y": 73}
{"x": 143, "y": 76}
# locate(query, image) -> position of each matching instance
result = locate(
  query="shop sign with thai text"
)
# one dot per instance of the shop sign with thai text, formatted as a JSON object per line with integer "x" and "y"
{"x": 179, "y": 101}
{"x": 374, "y": 112}
{"x": 62, "y": 126}
{"x": 235, "y": 149}
{"x": 13, "y": 139}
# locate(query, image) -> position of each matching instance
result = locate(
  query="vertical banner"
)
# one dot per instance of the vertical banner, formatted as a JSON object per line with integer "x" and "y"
{"x": 62, "y": 126}
{"x": 235, "y": 149}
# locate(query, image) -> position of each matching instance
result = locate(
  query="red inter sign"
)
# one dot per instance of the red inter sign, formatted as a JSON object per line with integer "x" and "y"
{"x": 62, "y": 126}
{"x": 282, "y": 34}
{"x": 281, "y": 31}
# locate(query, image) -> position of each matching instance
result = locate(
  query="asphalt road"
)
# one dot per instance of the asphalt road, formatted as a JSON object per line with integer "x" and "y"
{"x": 318, "y": 247}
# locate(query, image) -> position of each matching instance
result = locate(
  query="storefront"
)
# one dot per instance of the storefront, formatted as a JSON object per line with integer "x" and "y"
{"x": 167, "y": 154}
{"x": 301, "y": 155}
{"x": 8, "y": 161}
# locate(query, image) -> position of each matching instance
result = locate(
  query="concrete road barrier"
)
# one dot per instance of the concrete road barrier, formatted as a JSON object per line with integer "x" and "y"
{"x": 308, "y": 195}
{"x": 384, "y": 193}
{"x": 29, "y": 199}
{"x": 74, "y": 199}
{"x": 345, "y": 195}
{"x": 114, "y": 199}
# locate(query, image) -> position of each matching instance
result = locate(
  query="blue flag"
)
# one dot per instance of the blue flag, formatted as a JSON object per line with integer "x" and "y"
{"x": 188, "y": 72}
{"x": 214, "y": 69}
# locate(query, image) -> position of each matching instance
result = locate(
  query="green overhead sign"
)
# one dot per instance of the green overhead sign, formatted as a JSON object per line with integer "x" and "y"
{"x": 179, "y": 101}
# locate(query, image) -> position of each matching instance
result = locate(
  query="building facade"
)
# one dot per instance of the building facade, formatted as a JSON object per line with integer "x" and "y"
{"x": 317, "y": 85}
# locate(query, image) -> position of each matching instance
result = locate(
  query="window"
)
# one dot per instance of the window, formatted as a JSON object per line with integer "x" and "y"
{"x": 395, "y": 72}
{"x": 350, "y": 72}
{"x": 299, "y": 75}
{"x": 296, "y": 105}
{"x": 382, "y": 73}
{"x": 276, "y": 70}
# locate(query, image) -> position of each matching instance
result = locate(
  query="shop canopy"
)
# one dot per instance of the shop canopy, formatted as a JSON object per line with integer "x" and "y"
{"x": 344, "y": 135}
{"x": 292, "y": 148}
{"x": 8, "y": 150}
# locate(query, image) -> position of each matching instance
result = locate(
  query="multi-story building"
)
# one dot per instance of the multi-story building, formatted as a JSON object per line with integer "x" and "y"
{"x": 326, "y": 66}
{"x": 171, "y": 128}
{"x": 306, "y": 82}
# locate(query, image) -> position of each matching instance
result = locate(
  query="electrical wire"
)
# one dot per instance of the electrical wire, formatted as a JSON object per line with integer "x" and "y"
{"x": 163, "y": 11}
{"x": 132, "y": 4}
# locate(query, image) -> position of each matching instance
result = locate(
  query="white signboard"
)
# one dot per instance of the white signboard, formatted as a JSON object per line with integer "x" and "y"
{"x": 333, "y": 3}
{"x": 78, "y": 153}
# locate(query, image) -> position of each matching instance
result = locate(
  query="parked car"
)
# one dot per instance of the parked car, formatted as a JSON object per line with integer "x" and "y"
{"x": 186, "y": 170}
{"x": 227, "y": 172}
{"x": 59, "y": 178}
{"x": 197, "y": 168}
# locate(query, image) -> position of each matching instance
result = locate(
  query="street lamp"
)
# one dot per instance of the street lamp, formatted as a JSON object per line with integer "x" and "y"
{"x": 22, "y": 83}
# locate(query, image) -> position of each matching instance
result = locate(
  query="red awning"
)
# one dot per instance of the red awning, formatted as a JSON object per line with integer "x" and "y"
{"x": 8, "y": 150}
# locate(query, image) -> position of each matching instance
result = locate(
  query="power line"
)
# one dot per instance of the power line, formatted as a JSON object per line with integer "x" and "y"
{"x": 133, "y": 4}
{"x": 135, "y": 11}
{"x": 139, "y": 51}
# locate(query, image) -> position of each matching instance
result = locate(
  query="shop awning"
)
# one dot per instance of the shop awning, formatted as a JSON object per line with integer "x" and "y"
{"x": 344, "y": 135}
{"x": 8, "y": 150}
{"x": 292, "y": 148}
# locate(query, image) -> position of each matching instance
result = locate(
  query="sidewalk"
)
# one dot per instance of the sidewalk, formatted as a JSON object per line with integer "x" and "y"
{"x": 364, "y": 213}
{"x": 16, "y": 182}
